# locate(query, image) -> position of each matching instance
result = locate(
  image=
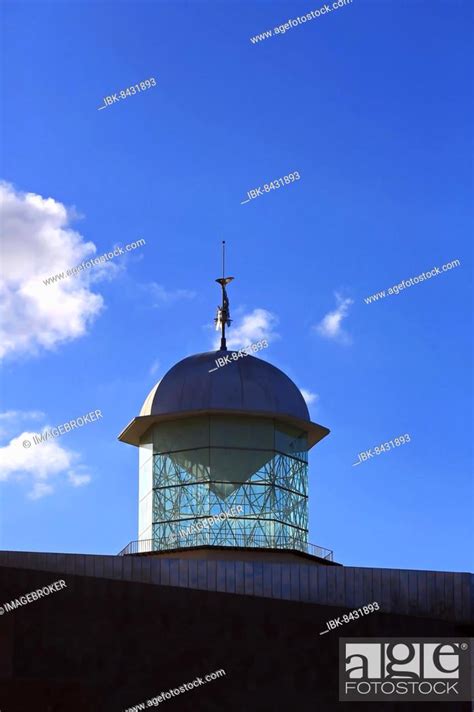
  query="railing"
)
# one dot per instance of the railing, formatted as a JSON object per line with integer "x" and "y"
{"x": 145, "y": 546}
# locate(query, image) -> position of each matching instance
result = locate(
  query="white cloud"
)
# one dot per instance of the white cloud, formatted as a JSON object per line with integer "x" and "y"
{"x": 21, "y": 415}
{"x": 105, "y": 271}
{"x": 155, "y": 367}
{"x": 330, "y": 327}
{"x": 160, "y": 295}
{"x": 77, "y": 480}
{"x": 255, "y": 326}
{"x": 40, "y": 489}
{"x": 308, "y": 396}
{"x": 9, "y": 420}
{"x": 38, "y": 242}
{"x": 40, "y": 466}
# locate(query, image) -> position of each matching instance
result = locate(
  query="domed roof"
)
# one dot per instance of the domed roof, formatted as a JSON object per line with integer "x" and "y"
{"x": 246, "y": 384}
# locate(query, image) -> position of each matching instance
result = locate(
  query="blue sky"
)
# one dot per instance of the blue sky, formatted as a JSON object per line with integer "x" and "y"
{"x": 372, "y": 106}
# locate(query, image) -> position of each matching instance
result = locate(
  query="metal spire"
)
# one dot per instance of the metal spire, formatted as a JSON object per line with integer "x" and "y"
{"x": 223, "y": 312}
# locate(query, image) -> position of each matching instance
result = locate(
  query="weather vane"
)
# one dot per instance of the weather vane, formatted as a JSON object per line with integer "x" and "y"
{"x": 223, "y": 312}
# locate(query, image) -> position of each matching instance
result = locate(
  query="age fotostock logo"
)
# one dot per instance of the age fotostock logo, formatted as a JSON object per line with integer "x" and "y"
{"x": 404, "y": 669}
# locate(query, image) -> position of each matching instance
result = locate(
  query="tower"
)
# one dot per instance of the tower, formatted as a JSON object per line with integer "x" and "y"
{"x": 223, "y": 455}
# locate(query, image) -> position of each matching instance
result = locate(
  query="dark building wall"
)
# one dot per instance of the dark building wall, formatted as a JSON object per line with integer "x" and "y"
{"x": 103, "y": 645}
{"x": 442, "y": 595}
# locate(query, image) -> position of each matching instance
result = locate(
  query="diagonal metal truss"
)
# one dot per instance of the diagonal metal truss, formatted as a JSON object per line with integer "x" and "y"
{"x": 274, "y": 503}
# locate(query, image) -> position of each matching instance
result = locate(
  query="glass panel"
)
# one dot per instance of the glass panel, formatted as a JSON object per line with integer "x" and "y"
{"x": 290, "y": 440}
{"x": 181, "y": 434}
{"x": 274, "y": 506}
{"x": 244, "y": 432}
{"x": 179, "y": 468}
{"x": 230, "y": 468}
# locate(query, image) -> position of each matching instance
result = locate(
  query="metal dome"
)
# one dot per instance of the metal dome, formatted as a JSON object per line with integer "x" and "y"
{"x": 247, "y": 386}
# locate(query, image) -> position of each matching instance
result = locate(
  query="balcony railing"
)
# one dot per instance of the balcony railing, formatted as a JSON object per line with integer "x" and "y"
{"x": 145, "y": 546}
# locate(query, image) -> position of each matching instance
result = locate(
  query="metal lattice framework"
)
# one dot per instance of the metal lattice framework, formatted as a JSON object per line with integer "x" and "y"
{"x": 274, "y": 503}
